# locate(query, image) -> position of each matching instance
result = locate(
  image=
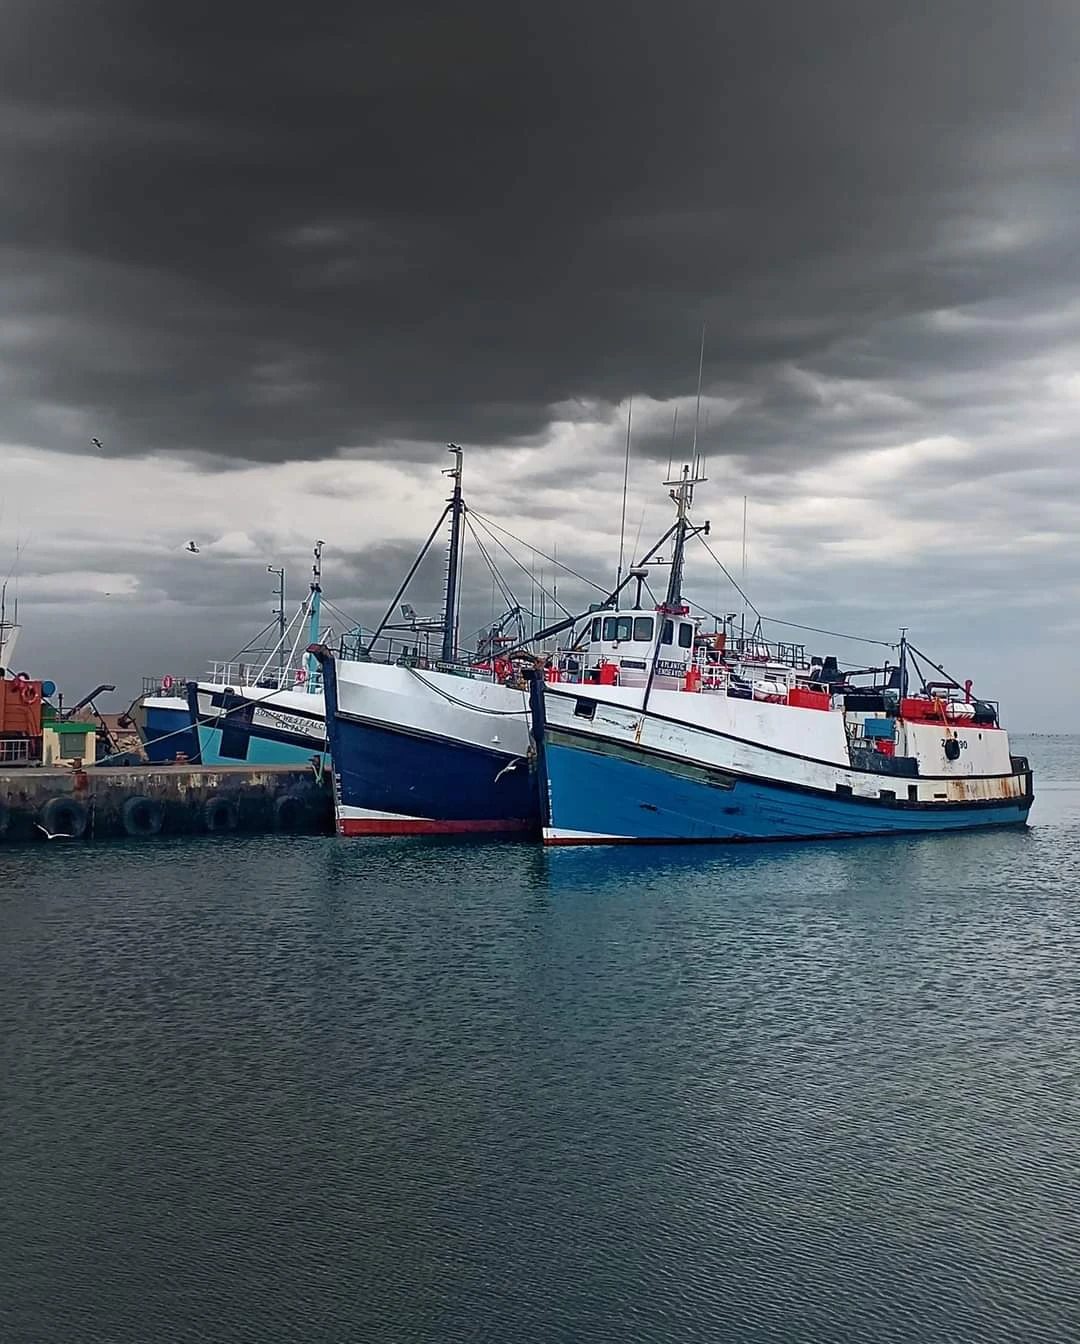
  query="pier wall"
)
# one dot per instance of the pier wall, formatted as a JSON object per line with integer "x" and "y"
{"x": 144, "y": 801}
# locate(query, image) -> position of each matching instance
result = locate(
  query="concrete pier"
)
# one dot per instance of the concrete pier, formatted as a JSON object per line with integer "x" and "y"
{"x": 143, "y": 801}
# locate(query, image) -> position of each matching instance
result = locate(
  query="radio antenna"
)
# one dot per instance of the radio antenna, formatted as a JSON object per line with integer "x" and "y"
{"x": 697, "y": 408}
{"x": 625, "y": 481}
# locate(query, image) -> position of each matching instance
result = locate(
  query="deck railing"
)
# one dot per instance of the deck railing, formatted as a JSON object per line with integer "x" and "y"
{"x": 295, "y": 678}
{"x": 17, "y": 751}
{"x": 169, "y": 683}
{"x": 410, "y": 653}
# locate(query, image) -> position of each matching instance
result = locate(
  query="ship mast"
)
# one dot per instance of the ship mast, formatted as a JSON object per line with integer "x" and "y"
{"x": 314, "y": 615}
{"x": 682, "y": 492}
{"x": 683, "y": 495}
{"x": 453, "y": 559}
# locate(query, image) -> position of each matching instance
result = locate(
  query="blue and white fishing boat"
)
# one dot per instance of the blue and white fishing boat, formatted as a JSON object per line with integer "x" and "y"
{"x": 437, "y": 746}
{"x": 162, "y": 717}
{"x": 425, "y": 745}
{"x": 270, "y": 712}
{"x": 417, "y": 751}
{"x": 673, "y": 738}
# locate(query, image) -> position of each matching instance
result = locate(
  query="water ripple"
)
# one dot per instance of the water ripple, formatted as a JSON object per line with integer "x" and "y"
{"x": 295, "y": 1089}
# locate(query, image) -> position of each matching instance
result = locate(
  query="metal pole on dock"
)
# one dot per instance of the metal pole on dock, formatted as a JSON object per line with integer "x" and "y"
{"x": 271, "y": 569}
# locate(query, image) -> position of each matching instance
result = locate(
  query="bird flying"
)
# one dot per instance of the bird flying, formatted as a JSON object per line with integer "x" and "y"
{"x": 53, "y": 835}
{"x": 192, "y": 548}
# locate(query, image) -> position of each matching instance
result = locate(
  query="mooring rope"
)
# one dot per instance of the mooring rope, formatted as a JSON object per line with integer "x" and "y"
{"x": 499, "y": 713}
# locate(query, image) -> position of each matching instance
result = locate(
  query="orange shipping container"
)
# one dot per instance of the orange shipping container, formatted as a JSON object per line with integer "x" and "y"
{"x": 20, "y": 708}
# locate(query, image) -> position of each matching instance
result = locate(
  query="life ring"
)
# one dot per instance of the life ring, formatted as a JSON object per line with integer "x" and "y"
{"x": 166, "y": 682}
{"x": 30, "y": 693}
{"x": 290, "y": 812}
{"x": 64, "y": 818}
{"x": 220, "y": 814}
{"x": 143, "y": 816}
{"x": 301, "y": 676}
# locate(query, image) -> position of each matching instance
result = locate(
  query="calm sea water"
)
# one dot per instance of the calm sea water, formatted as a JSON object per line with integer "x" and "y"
{"x": 282, "y": 1089}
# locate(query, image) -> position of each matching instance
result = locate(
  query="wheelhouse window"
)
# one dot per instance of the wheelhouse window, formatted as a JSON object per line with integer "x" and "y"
{"x": 667, "y": 634}
{"x": 618, "y": 627}
{"x": 596, "y": 627}
{"x": 643, "y": 628}
{"x": 686, "y": 635}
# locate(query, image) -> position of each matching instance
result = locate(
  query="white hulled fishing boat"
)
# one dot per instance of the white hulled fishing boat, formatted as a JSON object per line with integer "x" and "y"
{"x": 671, "y": 737}
{"x": 268, "y": 712}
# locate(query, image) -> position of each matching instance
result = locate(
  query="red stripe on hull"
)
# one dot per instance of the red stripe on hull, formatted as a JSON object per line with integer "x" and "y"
{"x": 425, "y": 826}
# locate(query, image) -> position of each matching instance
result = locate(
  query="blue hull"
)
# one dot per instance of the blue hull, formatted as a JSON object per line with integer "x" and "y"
{"x": 389, "y": 781}
{"x": 429, "y": 784}
{"x": 230, "y": 738}
{"x": 253, "y": 748}
{"x": 168, "y": 731}
{"x": 593, "y": 796}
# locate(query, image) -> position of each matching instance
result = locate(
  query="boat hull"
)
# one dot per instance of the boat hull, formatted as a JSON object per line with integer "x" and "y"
{"x": 166, "y": 729}
{"x": 596, "y": 799}
{"x": 597, "y": 789}
{"x": 426, "y": 754}
{"x": 256, "y": 726}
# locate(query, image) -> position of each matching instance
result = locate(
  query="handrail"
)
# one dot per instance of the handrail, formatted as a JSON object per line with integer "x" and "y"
{"x": 167, "y": 684}
{"x": 291, "y": 678}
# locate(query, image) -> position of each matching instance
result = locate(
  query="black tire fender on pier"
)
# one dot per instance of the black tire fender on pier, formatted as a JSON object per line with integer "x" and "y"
{"x": 143, "y": 816}
{"x": 290, "y": 811}
{"x": 220, "y": 814}
{"x": 64, "y": 818}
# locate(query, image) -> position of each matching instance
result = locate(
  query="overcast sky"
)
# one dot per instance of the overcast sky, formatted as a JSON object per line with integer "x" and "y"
{"x": 275, "y": 257}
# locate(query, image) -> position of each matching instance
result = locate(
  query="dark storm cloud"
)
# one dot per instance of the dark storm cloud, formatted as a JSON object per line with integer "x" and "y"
{"x": 253, "y": 233}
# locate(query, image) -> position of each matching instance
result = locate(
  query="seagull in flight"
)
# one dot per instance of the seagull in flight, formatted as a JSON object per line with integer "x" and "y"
{"x": 192, "y": 548}
{"x": 97, "y": 445}
{"x": 53, "y": 835}
{"x": 507, "y": 768}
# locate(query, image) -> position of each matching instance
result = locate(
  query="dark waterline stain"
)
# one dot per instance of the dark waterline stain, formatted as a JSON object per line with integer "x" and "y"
{"x": 308, "y": 1089}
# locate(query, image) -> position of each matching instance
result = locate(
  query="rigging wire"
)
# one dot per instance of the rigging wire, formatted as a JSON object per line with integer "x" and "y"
{"x": 671, "y": 453}
{"x": 335, "y": 610}
{"x": 194, "y": 725}
{"x": 776, "y": 620}
{"x": 795, "y": 625}
{"x": 834, "y": 634}
{"x": 625, "y": 483}
{"x": 504, "y": 588}
{"x": 700, "y": 536}
{"x": 494, "y": 713}
{"x": 249, "y": 646}
{"x": 487, "y": 523}
{"x": 530, "y": 577}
